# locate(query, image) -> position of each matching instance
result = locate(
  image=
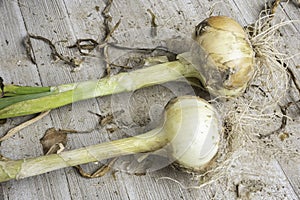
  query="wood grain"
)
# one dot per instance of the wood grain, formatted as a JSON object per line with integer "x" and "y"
{"x": 65, "y": 21}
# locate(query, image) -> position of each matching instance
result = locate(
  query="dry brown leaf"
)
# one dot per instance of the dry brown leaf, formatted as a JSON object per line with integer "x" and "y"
{"x": 53, "y": 140}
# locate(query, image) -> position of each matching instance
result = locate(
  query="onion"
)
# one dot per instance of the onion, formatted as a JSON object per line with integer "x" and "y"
{"x": 223, "y": 61}
{"x": 230, "y": 58}
{"x": 189, "y": 132}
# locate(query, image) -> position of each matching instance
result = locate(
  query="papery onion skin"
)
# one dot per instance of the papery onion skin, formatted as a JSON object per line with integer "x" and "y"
{"x": 230, "y": 57}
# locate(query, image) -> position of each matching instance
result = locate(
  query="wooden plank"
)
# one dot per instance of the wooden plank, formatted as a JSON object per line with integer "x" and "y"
{"x": 290, "y": 35}
{"x": 291, "y": 164}
{"x": 65, "y": 21}
{"x": 17, "y": 68}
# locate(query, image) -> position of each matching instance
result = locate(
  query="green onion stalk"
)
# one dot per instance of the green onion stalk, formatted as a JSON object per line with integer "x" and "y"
{"x": 223, "y": 60}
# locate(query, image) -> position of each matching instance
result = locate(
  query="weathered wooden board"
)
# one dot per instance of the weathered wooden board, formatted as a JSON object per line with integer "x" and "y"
{"x": 64, "y": 21}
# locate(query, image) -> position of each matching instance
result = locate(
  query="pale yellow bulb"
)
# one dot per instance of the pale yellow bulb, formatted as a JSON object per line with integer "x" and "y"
{"x": 230, "y": 57}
